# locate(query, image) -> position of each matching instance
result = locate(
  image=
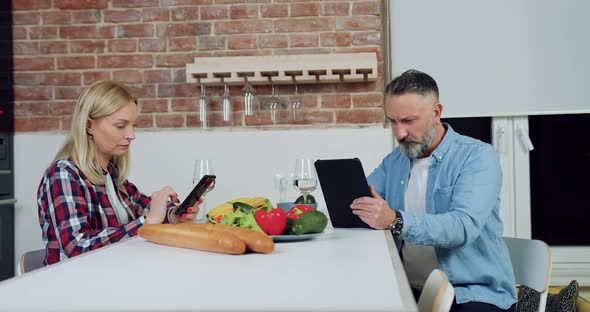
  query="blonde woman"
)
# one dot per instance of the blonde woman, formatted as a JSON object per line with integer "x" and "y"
{"x": 85, "y": 200}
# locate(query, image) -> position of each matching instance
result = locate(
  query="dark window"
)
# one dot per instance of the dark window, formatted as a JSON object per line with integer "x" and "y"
{"x": 560, "y": 179}
{"x": 475, "y": 127}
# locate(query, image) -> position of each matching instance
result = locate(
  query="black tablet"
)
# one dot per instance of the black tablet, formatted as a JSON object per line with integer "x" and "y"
{"x": 342, "y": 181}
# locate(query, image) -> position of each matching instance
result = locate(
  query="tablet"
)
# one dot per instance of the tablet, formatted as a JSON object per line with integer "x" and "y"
{"x": 342, "y": 181}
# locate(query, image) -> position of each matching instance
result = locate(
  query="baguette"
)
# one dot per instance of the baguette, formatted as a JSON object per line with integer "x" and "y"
{"x": 198, "y": 238}
{"x": 255, "y": 241}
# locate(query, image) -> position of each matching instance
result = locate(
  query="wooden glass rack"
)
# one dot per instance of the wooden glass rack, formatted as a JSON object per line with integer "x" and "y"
{"x": 283, "y": 69}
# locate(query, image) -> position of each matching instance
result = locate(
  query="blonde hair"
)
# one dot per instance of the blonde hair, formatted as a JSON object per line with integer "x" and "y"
{"x": 99, "y": 100}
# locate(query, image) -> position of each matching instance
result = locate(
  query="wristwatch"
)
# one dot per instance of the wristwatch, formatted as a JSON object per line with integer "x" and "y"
{"x": 397, "y": 225}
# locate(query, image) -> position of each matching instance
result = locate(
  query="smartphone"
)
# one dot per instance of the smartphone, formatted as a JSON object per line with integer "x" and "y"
{"x": 200, "y": 189}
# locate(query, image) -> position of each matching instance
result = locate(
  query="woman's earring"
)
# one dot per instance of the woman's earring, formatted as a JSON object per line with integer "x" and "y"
{"x": 90, "y": 136}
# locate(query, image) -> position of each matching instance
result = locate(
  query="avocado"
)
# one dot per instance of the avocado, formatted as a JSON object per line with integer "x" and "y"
{"x": 309, "y": 200}
{"x": 310, "y": 222}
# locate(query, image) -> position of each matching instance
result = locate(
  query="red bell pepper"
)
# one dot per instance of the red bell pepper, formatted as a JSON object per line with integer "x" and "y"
{"x": 271, "y": 221}
{"x": 297, "y": 211}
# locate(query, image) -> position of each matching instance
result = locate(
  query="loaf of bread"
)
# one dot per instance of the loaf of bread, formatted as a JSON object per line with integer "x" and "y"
{"x": 255, "y": 241}
{"x": 193, "y": 237}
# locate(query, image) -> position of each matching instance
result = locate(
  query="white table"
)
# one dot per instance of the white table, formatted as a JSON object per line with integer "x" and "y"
{"x": 341, "y": 270}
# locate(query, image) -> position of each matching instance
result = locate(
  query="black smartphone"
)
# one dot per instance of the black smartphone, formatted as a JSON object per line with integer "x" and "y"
{"x": 200, "y": 189}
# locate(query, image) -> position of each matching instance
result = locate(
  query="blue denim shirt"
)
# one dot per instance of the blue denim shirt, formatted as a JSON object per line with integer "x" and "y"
{"x": 462, "y": 220}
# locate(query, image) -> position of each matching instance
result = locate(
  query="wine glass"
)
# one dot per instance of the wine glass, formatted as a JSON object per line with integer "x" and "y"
{"x": 226, "y": 104}
{"x": 248, "y": 96}
{"x": 203, "y": 107}
{"x": 305, "y": 180}
{"x": 202, "y": 167}
{"x": 295, "y": 104}
{"x": 273, "y": 103}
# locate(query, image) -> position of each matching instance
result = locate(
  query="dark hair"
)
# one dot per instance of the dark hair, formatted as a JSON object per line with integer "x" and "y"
{"x": 412, "y": 81}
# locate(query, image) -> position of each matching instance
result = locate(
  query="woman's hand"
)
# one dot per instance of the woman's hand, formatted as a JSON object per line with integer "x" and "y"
{"x": 188, "y": 217}
{"x": 158, "y": 205}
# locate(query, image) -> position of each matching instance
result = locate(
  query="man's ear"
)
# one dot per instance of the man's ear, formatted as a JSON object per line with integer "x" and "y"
{"x": 437, "y": 111}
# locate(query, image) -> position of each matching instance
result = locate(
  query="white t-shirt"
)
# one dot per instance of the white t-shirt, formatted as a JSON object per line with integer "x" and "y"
{"x": 418, "y": 260}
{"x": 120, "y": 212}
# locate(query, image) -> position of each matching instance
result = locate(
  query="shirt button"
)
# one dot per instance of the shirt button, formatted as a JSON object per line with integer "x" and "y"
{"x": 402, "y": 182}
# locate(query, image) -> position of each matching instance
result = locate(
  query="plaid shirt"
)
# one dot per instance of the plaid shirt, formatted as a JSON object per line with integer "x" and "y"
{"x": 76, "y": 215}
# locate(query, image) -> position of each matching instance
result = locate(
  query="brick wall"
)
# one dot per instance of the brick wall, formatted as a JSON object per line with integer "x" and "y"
{"x": 60, "y": 46}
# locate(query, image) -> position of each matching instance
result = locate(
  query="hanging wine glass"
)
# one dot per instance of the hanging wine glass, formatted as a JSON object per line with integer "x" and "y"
{"x": 203, "y": 107}
{"x": 295, "y": 104}
{"x": 248, "y": 97}
{"x": 273, "y": 103}
{"x": 226, "y": 104}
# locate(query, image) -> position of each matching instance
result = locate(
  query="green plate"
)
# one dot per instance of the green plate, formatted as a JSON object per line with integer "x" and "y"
{"x": 294, "y": 238}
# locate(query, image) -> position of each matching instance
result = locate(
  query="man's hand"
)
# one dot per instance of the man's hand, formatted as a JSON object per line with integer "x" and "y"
{"x": 374, "y": 211}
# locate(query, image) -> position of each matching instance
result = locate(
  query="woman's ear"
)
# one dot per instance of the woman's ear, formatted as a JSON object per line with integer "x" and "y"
{"x": 89, "y": 126}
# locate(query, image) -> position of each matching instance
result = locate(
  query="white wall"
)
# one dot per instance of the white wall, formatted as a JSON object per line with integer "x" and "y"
{"x": 245, "y": 162}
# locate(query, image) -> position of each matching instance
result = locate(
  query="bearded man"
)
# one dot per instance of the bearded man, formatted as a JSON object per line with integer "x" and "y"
{"x": 439, "y": 194}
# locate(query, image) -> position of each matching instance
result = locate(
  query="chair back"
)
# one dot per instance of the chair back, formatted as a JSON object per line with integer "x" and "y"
{"x": 31, "y": 260}
{"x": 531, "y": 262}
{"x": 438, "y": 293}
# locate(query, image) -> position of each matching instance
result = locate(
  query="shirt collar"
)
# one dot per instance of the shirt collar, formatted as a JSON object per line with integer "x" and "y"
{"x": 445, "y": 144}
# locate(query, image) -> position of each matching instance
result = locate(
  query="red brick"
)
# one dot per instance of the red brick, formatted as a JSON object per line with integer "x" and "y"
{"x": 31, "y": 109}
{"x": 358, "y": 23}
{"x": 179, "y": 75}
{"x": 192, "y": 121}
{"x": 306, "y": 24}
{"x": 75, "y": 62}
{"x": 123, "y": 45}
{"x": 182, "y": 29}
{"x": 66, "y": 122}
{"x": 53, "y": 47}
{"x": 61, "y": 79}
{"x": 33, "y": 63}
{"x": 305, "y": 9}
{"x": 26, "y": 18}
{"x": 62, "y": 108}
{"x": 87, "y": 46}
{"x": 134, "y": 3}
{"x": 366, "y": 8}
{"x": 67, "y": 93}
{"x": 157, "y": 76}
{"x": 373, "y": 86}
{"x": 36, "y": 124}
{"x": 360, "y": 116}
{"x": 184, "y": 105}
{"x": 211, "y": 43}
{"x": 241, "y": 42}
{"x": 92, "y": 77}
{"x": 184, "y": 2}
{"x": 303, "y": 41}
{"x": 215, "y": 119}
{"x": 335, "y": 8}
{"x": 25, "y": 48}
{"x": 152, "y": 45}
{"x": 81, "y": 4}
{"x": 367, "y": 38}
{"x": 240, "y": 27}
{"x": 145, "y": 121}
{"x": 124, "y": 61}
{"x": 335, "y": 39}
{"x": 178, "y": 90}
{"x": 56, "y": 18}
{"x": 86, "y": 32}
{"x": 185, "y": 14}
{"x": 30, "y": 4}
{"x": 273, "y": 41}
{"x": 367, "y": 100}
{"x": 155, "y": 14}
{"x": 182, "y": 44}
{"x": 128, "y": 76}
{"x": 174, "y": 60}
{"x": 274, "y": 10}
{"x": 243, "y": 11}
{"x": 214, "y": 12}
{"x": 135, "y": 30}
{"x": 154, "y": 106}
{"x": 86, "y": 17}
{"x": 43, "y": 32}
{"x": 336, "y": 101}
{"x": 19, "y": 33}
{"x": 143, "y": 91}
{"x": 30, "y": 93}
{"x": 26, "y": 79}
{"x": 170, "y": 121}
{"x": 122, "y": 16}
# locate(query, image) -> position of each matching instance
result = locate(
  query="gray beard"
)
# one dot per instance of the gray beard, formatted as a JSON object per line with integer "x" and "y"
{"x": 418, "y": 149}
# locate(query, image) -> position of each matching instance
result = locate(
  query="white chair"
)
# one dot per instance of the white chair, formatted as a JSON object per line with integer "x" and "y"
{"x": 531, "y": 262}
{"x": 31, "y": 260}
{"x": 438, "y": 293}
